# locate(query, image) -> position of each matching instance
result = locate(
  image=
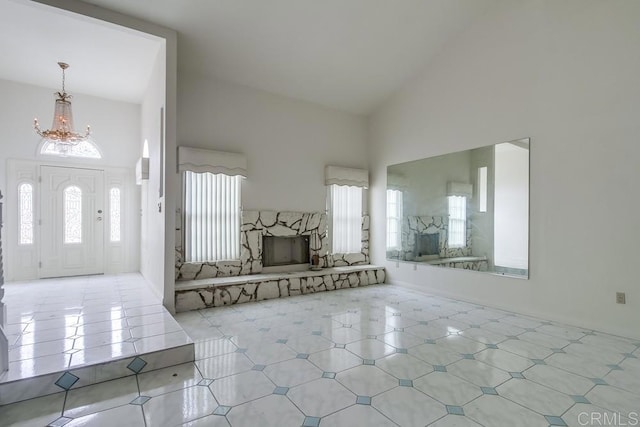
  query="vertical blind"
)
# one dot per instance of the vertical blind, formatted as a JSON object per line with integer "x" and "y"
{"x": 457, "y": 221}
{"x": 346, "y": 218}
{"x": 212, "y": 216}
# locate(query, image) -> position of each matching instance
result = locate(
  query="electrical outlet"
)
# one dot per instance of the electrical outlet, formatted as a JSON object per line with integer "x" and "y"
{"x": 621, "y": 298}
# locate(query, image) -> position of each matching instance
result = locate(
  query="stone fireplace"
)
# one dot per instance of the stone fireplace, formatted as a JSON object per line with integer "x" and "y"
{"x": 258, "y": 225}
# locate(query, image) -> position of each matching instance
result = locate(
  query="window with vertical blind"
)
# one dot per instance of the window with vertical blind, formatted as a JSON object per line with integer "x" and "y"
{"x": 457, "y": 221}
{"x": 212, "y": 216}
{"x": 394, "y": 218}
{"x": 346, "y": 218}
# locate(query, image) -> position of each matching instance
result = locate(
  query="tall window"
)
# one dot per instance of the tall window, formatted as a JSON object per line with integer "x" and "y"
{"x": 114, "y": 214}
{"x": 212, "y": 216}
{"x": 457, "y": 221}
{"x": 72, "y": 203}
{"x": 346, "y": 218}
{"x": 394, "y": 218}
{"x": 482, "y": 189}
{"x": 25, "y": 195}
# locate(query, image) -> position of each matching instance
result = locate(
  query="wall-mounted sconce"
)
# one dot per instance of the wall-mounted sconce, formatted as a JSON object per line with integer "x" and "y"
{"x": 142, "y": 170}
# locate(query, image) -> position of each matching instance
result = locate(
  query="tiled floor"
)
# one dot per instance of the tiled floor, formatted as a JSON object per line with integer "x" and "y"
{"x": 374, "y": 356}
{"x": 67, "y": 324}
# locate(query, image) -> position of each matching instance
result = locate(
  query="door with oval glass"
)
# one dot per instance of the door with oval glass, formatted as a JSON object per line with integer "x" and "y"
{"x": 71, "y": 221}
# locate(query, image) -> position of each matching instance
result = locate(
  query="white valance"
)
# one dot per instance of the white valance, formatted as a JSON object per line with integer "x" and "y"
{"x": 203, "y": 160}
{"x": 346, "y": 176}
{"x": 396, "y": 182}
{"x": 459, "y": 189}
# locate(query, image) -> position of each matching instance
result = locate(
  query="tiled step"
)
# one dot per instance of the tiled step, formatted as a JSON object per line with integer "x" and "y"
{"x": 72, "y": 332}
{"x": 216, "y": 292}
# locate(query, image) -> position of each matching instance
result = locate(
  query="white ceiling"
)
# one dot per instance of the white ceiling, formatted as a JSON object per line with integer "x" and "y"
{"x": 344, "y": 54}
{"x": 105, "y": 60}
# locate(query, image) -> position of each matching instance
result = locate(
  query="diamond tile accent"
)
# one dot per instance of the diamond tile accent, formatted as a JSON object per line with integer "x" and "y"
{"x": 580, "y": 399}
{"x": 368, "y": 362}
{"x": 258, "y": 367}
{"x": 555, "y": 421}
{"x": 493, "y": 346}
{"x": 66, "y": 381}
{"x": 516, "y": 375}
{"x": 558, "y": 350}
{"x": 423, "y": 322}
{"x": 140, "y": 400}
{"x": 467, "y": 356}
{"x": 340, "y": 346}
{"x": 489, "y": 390}
{"x": 281, "y": 390}
{"x": 614, "y": 367}
{"x": 137, "y": 365}
{"x": 474, "y": 326}
{"x": 373, "y": 337}
{"x": 281, "y": 341}
{"x": 405, "y": 383}
{"x": 241, "y": 350}
{"x": 455, "y": 410}
{"x": 316, "y": 333}
{"x": 61, "y": 421}
{"x": 302, "y": 356}
{"x": 629, "y": 355}
{"x": 539, "y": 361}
{"x": 439, "y": 368}
{"x": 311, "y": 422}
{"x": 429, "y": 341}
{"x": 599, "y": 381}
{"x": 512, "y": 337}
{"x": 401, "y": 350}
{"x": 222, "y": 410}
{"x": 347, "y": 325}
{"x": 575, "y": 341}
{"x": 205, "y": 382}
{"x": 398, "y": 329}
{"x": 363, "y": 400}
{"x": 330, "y": 375}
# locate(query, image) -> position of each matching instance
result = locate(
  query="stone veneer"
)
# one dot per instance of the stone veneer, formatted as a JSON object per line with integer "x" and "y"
{"x": 255, "y": 225}
{"x": 198, "y": 294}
{"x": 416, "y": 225}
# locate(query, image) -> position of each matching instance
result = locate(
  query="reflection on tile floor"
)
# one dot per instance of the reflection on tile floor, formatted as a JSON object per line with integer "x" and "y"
{"x": 375, "y": 356}
{"x": 78, "y": 324}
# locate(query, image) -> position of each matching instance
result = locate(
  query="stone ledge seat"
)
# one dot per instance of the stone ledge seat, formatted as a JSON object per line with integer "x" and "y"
{"x": 219, "y": 291}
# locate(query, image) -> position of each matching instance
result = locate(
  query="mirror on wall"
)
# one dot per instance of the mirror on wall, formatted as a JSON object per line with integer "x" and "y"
{"x": 468, "y": 209}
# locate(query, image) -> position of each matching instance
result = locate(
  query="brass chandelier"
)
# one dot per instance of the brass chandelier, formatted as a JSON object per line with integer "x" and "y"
{"x": 62, "y": 133}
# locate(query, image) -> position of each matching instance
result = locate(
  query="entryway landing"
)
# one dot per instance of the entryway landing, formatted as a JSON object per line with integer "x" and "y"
{"x": 70, "y": 332}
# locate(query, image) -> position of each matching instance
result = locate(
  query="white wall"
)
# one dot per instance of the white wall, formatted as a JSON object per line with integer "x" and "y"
{"x": 511, "y": 234}
{"x": 287, "y": 142}
{"x": 153, "y": 207}
{"x": 115, "y": 129}
{"x": 566, "y": 75}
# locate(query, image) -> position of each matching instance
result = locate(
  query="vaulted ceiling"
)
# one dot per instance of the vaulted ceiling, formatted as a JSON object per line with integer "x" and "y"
{"x": 344, "y": 54}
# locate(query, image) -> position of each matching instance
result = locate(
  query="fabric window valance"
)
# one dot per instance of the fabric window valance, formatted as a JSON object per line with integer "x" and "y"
{"x": 216, "y": 162}
{"x": 346, "y": 176}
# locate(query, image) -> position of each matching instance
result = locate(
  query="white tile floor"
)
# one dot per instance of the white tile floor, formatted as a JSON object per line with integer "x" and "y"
{"x": 67, "y": 324}
{"x": 374, "y": 356}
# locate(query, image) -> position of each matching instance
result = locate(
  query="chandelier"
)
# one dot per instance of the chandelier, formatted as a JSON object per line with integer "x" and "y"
{"x": 61, "y": 133}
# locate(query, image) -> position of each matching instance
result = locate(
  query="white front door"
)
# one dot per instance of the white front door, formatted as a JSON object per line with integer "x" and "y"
{"x": 72, "y": 227}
